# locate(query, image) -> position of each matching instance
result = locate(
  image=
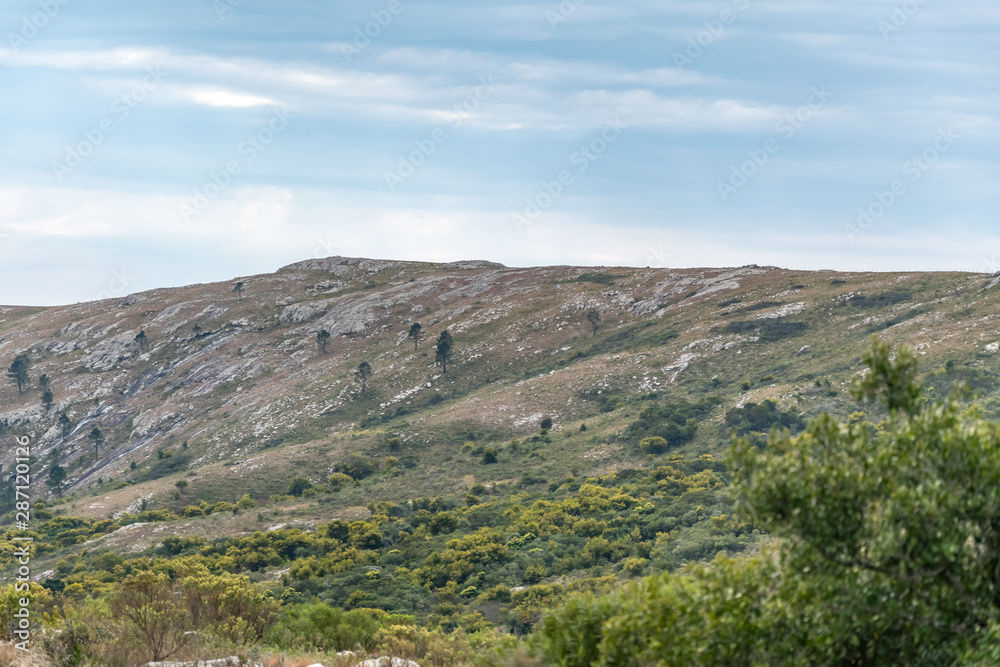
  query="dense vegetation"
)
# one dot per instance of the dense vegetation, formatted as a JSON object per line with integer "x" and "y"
{"x": 885, "y": 550}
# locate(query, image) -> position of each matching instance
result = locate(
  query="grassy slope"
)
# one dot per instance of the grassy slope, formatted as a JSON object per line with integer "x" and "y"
{"x": 257, "y": 403}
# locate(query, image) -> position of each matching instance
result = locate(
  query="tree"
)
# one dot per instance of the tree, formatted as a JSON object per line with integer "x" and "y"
{"x": 140, "y": 338}
{"x": 65, "y": 425}
{"x": 238, "y": 288}
{"x": 298, "y": 486}
{"x": 47, "y": 399}
{"x": 149, "y": 606}
{"x": 362, "y": 374}
{"x": 196, "y": 329}
{"x": 416, "y": 334}
{"x": 98, "y": 438}
{"x": 445, "y": 343}
{"x": 18, "y": 371}
{"x": 322, "y": 339}
{"x": 886, "y": 549}
{"x": 594, "y": 318}
{"x": 43, "y": 382}
{"x": 57, "y": 475}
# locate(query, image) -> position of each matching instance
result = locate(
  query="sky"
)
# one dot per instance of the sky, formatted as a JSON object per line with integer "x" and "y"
{"x": 170, "y": 142}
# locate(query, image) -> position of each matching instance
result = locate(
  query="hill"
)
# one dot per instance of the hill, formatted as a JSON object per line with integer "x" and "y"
{"x": 559, "y": 452}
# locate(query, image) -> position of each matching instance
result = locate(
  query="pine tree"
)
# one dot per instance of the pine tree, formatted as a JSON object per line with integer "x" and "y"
{"x": 594, "y": 318}
{"x": 363, "y": 373}
{"x": 445, "y": 344}
{"x": 18, "y": 371}
{"x": 322, "y": 339}
{"x": 238, "y": 288}
{"x": 416, "y": 334}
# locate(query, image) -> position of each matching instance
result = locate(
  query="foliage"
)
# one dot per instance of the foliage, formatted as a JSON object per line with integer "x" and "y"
{"x": 762, "y": 417}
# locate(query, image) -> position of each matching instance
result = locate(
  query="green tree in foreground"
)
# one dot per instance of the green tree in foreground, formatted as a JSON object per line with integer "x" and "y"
{"x": 445, "y": 343}
{"x": 888, "y": 550}
{"x": 18, "y": 371}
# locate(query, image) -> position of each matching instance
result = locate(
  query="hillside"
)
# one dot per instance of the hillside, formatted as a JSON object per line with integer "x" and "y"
{"x": 230, "y": 394}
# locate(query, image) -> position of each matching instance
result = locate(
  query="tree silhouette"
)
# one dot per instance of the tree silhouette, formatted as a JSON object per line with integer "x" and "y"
{"x": 416, "y": 334}
{"x": 140, "y": 338}
{"x": 594, "y": 318}
{"x": 363, "y": 373}
{"x": 445, "y": 343}
{"x": 43, "y": 382}
{"x": 196, "y": 329}
{"x": 322, "y": 338}
{"x": 47, "y": 400}
{"x": 65, "y": 425}
{"x": 238, "y": 288}
{"x": 98, "y": 439}
{"x": 57, "y": 475}
{"x": 18, "y": 371}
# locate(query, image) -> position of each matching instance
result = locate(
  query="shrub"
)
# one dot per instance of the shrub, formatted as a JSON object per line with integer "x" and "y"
{"x": 298, "y": 486}
{"x": 339, "y": 480}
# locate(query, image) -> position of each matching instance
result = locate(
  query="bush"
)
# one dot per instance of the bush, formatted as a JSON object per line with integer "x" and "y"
{"x": 298, "y": 486}
{"x": 339, "y": 480}
{"x": 356, "y": 466}
{"x": 318, "y": 627}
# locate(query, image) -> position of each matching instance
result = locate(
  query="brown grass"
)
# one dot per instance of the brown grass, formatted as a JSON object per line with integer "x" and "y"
{"x": 10, "y": 656}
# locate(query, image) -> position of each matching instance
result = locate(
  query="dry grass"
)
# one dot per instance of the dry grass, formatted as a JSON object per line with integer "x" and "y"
{"x": 10, "y": 656}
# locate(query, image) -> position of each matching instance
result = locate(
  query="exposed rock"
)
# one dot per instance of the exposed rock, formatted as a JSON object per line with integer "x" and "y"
{"x": 303, "y": 312}
{"x": 110, "y": 352}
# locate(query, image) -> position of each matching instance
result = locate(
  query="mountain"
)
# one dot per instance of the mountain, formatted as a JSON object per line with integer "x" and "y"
{"x": 578, "y": 438}
{"x": 248, "y": 400}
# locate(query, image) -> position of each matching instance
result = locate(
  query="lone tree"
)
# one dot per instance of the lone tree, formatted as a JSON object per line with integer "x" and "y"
{"x": 47, "y": 399}
{"x": 18, "y": 371}
{"x": 416, "y": 334}
{"x": 43, "y": 382}
{"x": 594, "y": 318}
{"x": 196, "y": 329}
{"x": 98, "y": 439}
{"x": 238, "y": 288}
{"x": 362, "y": 374}
{"x": 322, "y": 339}
{"x": 57, "y": 475}
{"x": 444, "y": 346}
{"x": 65, "y": 425}
{"x": 140, "y": 338}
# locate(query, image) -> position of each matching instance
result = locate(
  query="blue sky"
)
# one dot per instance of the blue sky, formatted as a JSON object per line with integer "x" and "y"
{"x": 165, "y": 143}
